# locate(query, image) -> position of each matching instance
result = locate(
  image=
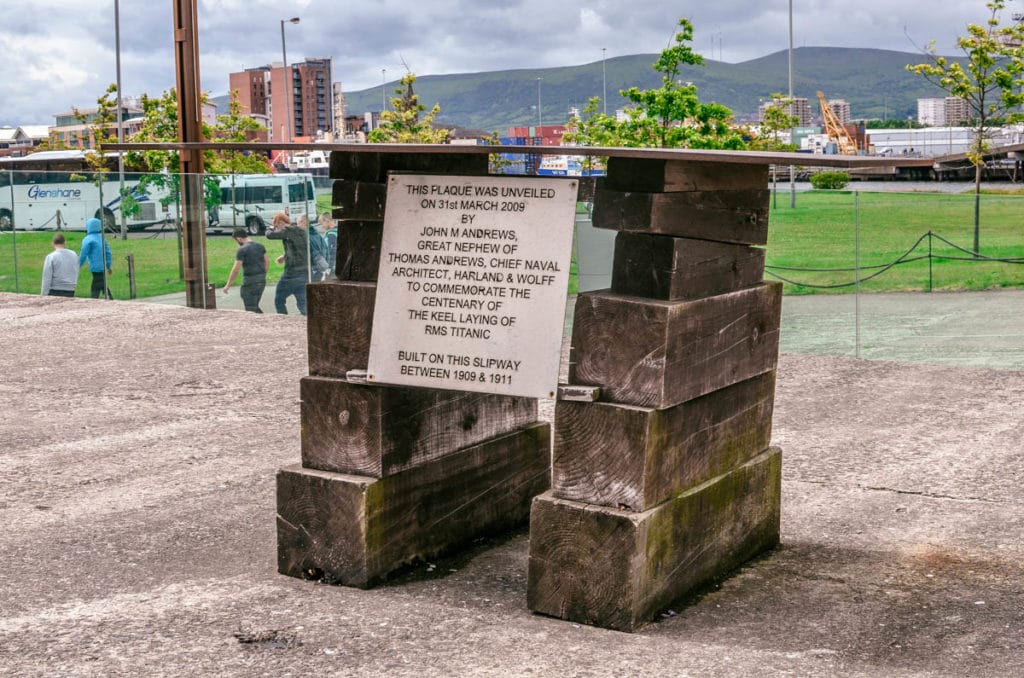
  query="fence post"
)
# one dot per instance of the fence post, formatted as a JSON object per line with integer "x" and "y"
{"x": 856, "y": 274}
{"x": 14, "y": 236}
{"x": 131, "y": 276}
{"x": 930, "y": 279}
{"x": 14, "y": 246}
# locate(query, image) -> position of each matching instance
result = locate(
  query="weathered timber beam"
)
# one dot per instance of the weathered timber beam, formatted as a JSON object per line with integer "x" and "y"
{"x": 382, "y": 430}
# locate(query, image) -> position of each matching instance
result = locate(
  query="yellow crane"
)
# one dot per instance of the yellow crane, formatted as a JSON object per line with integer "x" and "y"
{"x": 835, "y": 130}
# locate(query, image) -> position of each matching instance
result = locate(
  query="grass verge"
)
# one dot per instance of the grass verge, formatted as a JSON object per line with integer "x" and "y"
{"x": 823, "y": 231}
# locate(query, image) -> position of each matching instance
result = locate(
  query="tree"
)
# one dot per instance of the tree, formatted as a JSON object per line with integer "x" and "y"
{"x": 160, "y": 123}
{"x": 101, "y": 127}
{"x": 775, "y": 119}
{"x": 404, "y": 124}
{"x": 990, "y": 79}
{"x": 234, "y": 127}
{"x": 671, "y": 116}
{"x": 52, "y": 142}
{"x": 594, "y": 128}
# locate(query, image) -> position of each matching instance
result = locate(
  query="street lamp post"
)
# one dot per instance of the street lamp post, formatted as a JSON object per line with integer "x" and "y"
{"x": 383, "y": 92}
{"x": 604, "y": 80}
{"x": 120, "y": 115}
{"x": 792, "y": 106}
{"x": 289, "y": 96}
{"x": 539, "y": 118}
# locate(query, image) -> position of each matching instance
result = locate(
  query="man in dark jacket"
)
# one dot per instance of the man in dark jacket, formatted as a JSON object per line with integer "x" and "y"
{"x": 296, "y": 262}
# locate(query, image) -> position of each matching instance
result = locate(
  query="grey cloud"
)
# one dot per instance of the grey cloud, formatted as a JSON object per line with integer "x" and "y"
{"x": 439, "y": 36}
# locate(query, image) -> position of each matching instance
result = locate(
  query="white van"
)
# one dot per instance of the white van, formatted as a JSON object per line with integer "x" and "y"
{"x": 252, "y": 200}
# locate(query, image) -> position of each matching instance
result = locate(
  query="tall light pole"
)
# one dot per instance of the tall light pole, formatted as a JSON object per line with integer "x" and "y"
{"x": 792, "y": 106}
{"x": 383, "y": 93}
{"x": 120, "y": 113}
{"x": 604, "y": 80}
{"x": 289, "y": 95}
{"x": 540, "y": 122}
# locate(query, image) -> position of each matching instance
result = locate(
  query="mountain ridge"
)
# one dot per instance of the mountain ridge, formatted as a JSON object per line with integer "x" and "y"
{"x": 874, "y": 81}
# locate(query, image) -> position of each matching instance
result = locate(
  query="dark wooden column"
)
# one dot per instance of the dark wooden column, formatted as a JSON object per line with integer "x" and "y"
{"x": 667, "y": 482}
{"x": 198, "y": 294}
{"x": 390, "y": 475}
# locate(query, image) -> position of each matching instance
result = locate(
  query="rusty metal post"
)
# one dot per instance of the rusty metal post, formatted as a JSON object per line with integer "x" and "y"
{"x": 186, "y": 58}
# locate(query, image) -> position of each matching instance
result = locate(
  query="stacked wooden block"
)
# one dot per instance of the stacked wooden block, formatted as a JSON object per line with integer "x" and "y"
{"x": 391, "y": 475}
{"x": 668, "y": 481}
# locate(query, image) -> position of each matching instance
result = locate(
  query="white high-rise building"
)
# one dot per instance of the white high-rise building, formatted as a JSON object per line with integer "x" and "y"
{"x": 940, "y": 112}
{"x": 931, "y": 112}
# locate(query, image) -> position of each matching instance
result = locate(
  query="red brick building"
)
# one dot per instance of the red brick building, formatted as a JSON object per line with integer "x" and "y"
{"x": 297, "y": 102}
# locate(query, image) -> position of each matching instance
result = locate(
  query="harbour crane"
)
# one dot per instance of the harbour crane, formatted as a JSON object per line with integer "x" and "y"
{"x": 835, "y": 130}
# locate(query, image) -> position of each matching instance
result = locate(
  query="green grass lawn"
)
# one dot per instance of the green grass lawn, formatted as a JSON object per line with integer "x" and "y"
{"x": 156, "y": 260}
{"x": 819, "y": 234}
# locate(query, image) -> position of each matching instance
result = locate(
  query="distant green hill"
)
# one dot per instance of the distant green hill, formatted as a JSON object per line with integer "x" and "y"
{"x": 873, "y": 81}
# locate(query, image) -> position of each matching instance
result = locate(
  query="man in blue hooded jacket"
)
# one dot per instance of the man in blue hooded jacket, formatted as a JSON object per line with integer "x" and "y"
{"x": 94, "y": 247}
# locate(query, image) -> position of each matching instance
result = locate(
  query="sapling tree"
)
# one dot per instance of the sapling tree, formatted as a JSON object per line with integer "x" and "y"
{"x": 990, "y": 78}
{"x": 408, "y": 121}
{"x": 670, "y": 116}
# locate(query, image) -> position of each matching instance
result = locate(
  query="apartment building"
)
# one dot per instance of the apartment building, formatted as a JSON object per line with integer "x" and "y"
{"x": 939, "y": 112}
{"x": 75, "y": 128}
{"x": 931, "y": 112}
{"x": 958, "y": 111}
{"x": 841, "y": 108}
{"x": 338, "y": 109}
{"x": 800, "y": 108}
{"x": 297, "y": 102}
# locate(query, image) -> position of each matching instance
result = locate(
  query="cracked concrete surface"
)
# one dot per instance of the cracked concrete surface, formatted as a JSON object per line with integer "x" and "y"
{"x": 137, "y": 461}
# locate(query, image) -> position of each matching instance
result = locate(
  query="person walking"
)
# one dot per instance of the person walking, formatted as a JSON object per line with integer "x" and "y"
{"x": 296, "y": 262}
{"x": 317, "y": 248}
{"x": 60, "y": 270}
{"x": 250, "y": 258}
{"x": 329, "y": 231}
{"x": 96, "y": 251}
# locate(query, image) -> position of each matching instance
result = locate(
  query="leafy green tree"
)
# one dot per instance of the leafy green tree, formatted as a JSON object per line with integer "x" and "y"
{"x": 160, "y": 123}
{"x": 775, "y": 119}
{"x": 236, "y": 128}
{"x": 52, "y": 142}
{"x": 405, "y": 123}
{"x": 101, "y": 127}
{"x": 594, "y": 128}
{"x": 671, "y": 116}
{"x": 990, "y": 79}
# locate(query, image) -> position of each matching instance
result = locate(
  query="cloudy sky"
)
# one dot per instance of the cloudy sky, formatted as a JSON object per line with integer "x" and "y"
{"x": 58, "y": 54}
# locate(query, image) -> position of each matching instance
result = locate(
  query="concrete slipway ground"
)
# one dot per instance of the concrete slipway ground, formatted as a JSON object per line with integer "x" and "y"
{"x": 138, "y": 449}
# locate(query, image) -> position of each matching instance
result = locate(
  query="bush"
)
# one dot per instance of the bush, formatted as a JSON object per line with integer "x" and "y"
{"x": 830, "y": 181}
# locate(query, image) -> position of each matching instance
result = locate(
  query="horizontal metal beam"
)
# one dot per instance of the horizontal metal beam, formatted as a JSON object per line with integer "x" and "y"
{"x": 688, "y": 154}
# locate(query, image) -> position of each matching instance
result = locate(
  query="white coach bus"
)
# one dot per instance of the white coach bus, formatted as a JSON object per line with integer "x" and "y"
{"x": 56, "y": 190}
{"x": 251, "y": 200}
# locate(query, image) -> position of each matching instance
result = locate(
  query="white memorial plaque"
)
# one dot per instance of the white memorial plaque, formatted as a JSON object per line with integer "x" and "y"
{"x": 471, "y": 293}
